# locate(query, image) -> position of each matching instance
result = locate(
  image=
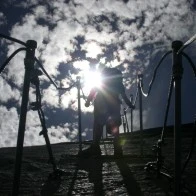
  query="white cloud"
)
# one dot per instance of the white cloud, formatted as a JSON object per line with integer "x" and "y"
{"x": 8, "y": 92}
{"x": 51, "y": 96}
{"x": 102, "y": 24}
{"x": 8, "y": 126}
{"x": 93, "y": 49}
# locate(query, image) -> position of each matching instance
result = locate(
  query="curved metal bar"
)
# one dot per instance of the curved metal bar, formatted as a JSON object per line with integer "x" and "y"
{"x": 154, "y": 75}
{"x": 143, "y": 93}
{"x": 45, "y": 72}
{"x": 192, "y": 39}
{"x": 167, "y": 108}
{"x": 10, "y": 57}
{"x": 191, "y": 62}
{"x": 13, "y": 39}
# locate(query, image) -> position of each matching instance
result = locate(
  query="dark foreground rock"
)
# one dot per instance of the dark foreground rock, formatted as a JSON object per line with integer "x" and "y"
{"x": 100, "y": 176}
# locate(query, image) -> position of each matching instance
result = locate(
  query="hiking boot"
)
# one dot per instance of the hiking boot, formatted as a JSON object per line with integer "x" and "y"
{"x": 92, "y": 151}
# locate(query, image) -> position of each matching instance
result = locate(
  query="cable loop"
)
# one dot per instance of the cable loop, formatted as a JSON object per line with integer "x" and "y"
{"x": 191, "y": 62}
{"x": 10, "y": 57}
{"x": 154, "y": 75}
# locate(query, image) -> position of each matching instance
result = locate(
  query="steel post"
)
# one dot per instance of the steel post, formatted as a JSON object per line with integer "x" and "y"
{"x": 79, "y": 114}
{"x": 29, "y": 66}
{"x": 131, "y": 99}
{"x": 140, "y": 78}
{"x": 177, "y": 76}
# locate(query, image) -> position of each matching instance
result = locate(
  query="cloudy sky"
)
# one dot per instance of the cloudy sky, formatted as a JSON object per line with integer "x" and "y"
{"x": 74, "y": 36}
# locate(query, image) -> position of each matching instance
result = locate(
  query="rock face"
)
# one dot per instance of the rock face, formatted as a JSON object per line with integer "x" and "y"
{"x": 101, "y": 176}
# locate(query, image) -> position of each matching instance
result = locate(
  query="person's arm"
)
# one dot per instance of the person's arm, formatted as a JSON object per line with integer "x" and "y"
{"x": 90, "y": 97}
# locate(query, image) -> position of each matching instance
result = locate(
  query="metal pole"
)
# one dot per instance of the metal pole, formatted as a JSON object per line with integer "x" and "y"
{"x": 177, "y": 75}
{"x": 140, "y": 77}
{"x": 131, "y": 99}
{"x": 29, "y": 66}
{"x": 79, "y": 115}
{"x": 126, "y": 121}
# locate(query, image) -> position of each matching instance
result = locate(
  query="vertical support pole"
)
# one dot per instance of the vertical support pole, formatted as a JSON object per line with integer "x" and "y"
{"x": 126, "y": 121}
{"x": 140, "y": 77}
{"x": 177, "y": 76}
{"x": 131, "y": 99}
{"x": 29, "y": 66}
{"x": 79, "y": 115}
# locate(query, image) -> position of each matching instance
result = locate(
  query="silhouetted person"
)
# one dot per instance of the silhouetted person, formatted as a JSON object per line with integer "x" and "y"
{"x": 107, "y": 107}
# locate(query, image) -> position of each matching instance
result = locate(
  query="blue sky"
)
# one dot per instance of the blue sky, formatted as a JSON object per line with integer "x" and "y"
{"x": 75, "y": 35}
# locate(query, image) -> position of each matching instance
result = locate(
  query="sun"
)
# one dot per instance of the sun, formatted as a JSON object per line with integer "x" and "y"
{"x": 92, "y": 79}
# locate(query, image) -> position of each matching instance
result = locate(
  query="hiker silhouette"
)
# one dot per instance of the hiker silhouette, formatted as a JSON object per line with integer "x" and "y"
{"x": 107, "y": 104}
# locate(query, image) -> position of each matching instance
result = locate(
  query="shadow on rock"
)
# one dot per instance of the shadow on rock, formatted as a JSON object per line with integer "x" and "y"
{"x": 131, "y": 185}
{"x": 94, "y": 168}
{"x": 51, "y": 186}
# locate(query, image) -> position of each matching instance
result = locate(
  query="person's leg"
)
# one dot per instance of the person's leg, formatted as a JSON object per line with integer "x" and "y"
{"x": 114, "y": 129}
{"x": 117, "y": 144}
{"x": 94, "y": 149}
{"x": 97, "y": 132}
{"x": 114, "y": 121}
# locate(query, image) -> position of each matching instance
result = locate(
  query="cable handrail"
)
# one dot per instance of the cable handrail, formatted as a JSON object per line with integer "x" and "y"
{"x": 191, "y": 62}
{"x": 154, "y": 75}
{"x": 186, "y": 44}
{"x": 38, "y": 62}
{"x": 9, "y": 58}
{"x": 13, "y": 39}
{"x": 46, "y": 73}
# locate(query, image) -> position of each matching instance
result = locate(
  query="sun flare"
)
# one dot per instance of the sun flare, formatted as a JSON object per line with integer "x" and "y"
{"x": 92, "y": 79}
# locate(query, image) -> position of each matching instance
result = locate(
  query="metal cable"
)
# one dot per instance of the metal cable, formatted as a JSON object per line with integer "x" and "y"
{"x": 191, "y": 62}
{"x": 45, "y": 72}
{"x": 44, "y": 131}
{"x": 154, "y": 75}
{"x": 13, "y": 39}
{"x": 192, "y": 39}
{"x": 9, "y": 58}
{"x": 167, "y": 108}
